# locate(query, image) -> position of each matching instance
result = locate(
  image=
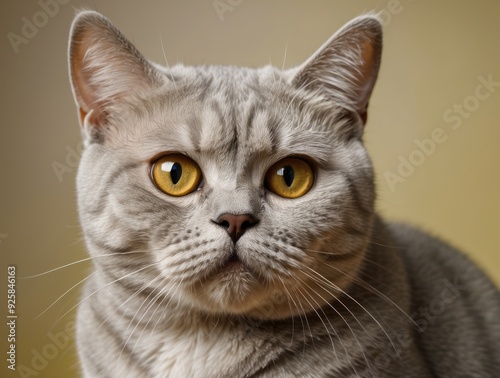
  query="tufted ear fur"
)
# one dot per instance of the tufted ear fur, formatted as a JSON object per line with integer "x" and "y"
{"x": 345, "y": 68}
{"x": 104, "y": 67}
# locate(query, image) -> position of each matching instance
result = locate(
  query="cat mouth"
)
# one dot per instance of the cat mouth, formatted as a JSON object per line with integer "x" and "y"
{"x": 234, "y": 262}
{"x": 233, "y": 257}
{"x": 232, "y": 286}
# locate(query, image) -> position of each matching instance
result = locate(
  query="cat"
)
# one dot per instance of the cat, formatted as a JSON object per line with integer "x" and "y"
{"x": 229, "y": 214}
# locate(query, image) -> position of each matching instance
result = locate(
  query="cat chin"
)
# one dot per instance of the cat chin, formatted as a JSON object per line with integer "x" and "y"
{"x": 234, "y": 289}
{"x": 257, "y": 305}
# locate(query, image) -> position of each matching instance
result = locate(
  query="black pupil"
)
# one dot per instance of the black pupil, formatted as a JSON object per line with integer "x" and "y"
{"x": 288, "y": 175}
{"x": 176, "y": 173}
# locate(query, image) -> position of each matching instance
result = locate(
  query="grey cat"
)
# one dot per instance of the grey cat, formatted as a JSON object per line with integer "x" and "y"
{"x": 229, "y": 213}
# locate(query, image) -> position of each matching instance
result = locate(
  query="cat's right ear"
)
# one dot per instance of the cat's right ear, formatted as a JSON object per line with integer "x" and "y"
{"x": 104, "y": 67}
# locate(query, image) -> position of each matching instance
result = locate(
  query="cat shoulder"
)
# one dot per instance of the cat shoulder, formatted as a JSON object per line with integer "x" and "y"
{"x": 432, "y": 264}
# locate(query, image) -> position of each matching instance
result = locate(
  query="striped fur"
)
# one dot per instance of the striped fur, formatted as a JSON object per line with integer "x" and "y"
{"x": 327, "y": 288}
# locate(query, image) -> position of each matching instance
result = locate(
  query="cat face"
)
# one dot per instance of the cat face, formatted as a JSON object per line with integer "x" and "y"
{"x": 224, "y": 189}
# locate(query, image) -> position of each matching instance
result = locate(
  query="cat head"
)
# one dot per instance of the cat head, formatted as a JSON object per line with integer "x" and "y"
{"x": 226, "y": 189}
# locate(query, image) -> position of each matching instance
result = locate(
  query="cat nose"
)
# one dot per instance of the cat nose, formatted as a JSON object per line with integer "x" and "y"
{"x": 236, "y": 224}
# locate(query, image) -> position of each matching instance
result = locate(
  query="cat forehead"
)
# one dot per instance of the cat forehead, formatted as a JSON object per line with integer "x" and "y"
{"x": 225, "y": 110}
{"x": 229, "y": 89}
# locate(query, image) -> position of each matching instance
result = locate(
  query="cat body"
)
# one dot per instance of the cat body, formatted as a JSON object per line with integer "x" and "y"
{"x": 230, "y": 216}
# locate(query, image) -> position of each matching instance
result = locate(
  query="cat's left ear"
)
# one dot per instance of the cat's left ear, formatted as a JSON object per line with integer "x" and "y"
{"x": 345, "y": 68}
{"x": 105, "y": 67}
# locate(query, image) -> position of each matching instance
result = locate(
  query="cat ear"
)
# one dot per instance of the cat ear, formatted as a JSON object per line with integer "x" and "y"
{"x": 345, "y": 68}
{"x": 104, "y": 66}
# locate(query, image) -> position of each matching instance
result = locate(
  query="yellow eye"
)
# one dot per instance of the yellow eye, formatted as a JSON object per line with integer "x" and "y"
{"x": 290, "y": 178}
{"x": 176, "y": 175}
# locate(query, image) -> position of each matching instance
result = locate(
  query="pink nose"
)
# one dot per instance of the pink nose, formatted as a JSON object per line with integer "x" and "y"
{"x": 236, "y": 224}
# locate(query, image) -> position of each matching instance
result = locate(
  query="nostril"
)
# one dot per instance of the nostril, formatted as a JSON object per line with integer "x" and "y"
{"x": 246, "y": 224}
{"x": 236, "y": 224}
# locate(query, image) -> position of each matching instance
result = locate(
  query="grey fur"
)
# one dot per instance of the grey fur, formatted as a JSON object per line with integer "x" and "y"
{"x": 327, "y": 290}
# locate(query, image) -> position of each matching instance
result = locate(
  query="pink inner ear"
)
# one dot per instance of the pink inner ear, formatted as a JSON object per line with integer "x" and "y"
{"x": 82, "y": 115}
{"x": 105, "y": 67}
{"x": 84, "y": 93}
{"x": 367, "y": 75}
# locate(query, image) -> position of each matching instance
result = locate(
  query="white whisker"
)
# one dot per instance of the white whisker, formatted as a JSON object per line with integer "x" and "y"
{"x": 348, "y": 326}
{"x": 81, "y": 261}
{"x": 378, "y": 292}
{"x": 355, "y": 301}
{"x": 109, "y": 283}
{"x": 63, "y": 294}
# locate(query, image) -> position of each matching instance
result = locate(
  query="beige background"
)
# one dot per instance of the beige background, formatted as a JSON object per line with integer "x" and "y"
{"x": 434, "y": 54}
